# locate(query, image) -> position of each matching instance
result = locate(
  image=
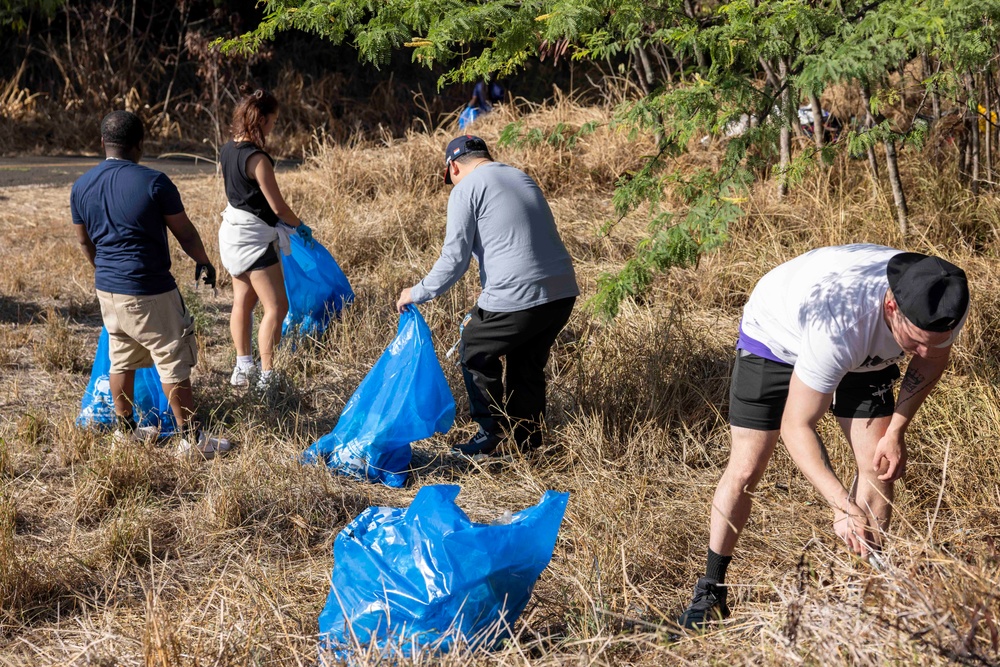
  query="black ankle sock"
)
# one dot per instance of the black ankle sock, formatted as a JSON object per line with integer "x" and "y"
{"x": 717, "y": 566}
{"x": 126, "y": 422}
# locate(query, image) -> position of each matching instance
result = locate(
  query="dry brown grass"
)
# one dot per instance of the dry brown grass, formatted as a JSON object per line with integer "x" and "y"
{"x": 126, "y": 557}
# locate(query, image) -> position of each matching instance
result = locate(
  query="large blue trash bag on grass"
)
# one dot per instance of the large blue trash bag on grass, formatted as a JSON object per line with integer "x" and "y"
{"x": 97, "y": 409}
{"x": 316, "y": 287}
{"x": 404, "y": 398}
{"x": 425, "y": 577}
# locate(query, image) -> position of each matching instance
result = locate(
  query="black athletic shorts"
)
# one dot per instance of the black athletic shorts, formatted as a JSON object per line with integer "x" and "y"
{"x": 269, "y": 258}
{"x": 759, "y": 388}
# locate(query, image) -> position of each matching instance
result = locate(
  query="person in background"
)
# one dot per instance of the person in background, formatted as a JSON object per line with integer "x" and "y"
{"x": 485, "y": 95}
{"x": 121, "y": 212}
{"x": 252, "y": 229}
{"x": 824, "y": 332}
{"x": 498, "y": 215}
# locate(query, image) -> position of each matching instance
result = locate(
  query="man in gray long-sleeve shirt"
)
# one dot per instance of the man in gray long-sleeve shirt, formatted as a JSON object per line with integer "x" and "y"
{"x": 498, "y": 214}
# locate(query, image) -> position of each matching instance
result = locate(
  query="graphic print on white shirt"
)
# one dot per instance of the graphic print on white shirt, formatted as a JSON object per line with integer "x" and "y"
{"x": 822, "y": 312}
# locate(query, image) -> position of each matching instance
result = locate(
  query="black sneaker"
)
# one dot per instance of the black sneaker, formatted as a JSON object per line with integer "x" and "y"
{"x": 708, "y": 605}
{"x": 481, "y": 443}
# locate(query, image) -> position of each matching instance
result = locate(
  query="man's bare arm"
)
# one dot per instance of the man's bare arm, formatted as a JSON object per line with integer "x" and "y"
{"x": 86, "y": 245}
{"x": 922, "y": 374}
{"x": 187, "y": 235}
{"x": 803, "y": 410}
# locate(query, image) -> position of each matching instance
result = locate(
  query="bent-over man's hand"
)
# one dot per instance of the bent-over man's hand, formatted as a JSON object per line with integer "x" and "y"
{"x": 403, "y": 301}
{"x": 209, "y": 274}
{"x": 852, "y": 527}
{"x": 890, "y": 457}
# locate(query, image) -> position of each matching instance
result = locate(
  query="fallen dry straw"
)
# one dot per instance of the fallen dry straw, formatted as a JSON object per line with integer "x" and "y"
{"x": 127, "y": 557}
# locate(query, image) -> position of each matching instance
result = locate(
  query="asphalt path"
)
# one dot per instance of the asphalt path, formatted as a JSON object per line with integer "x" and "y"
{"x": 22, "y": 171}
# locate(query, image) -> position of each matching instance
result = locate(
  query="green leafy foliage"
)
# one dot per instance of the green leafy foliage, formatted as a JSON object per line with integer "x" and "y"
{"x": 740, "y": 69}
{"x": 14, "y": 14}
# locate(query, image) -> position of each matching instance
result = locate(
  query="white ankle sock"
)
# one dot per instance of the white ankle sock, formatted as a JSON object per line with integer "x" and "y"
{"x": 244, "y": 362}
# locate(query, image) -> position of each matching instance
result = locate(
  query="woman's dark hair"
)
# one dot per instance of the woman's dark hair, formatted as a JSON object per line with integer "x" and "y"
{"x": 251, "y": 112}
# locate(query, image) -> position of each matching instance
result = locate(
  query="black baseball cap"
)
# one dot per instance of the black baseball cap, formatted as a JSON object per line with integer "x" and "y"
{"x": 458, "y": 147}
{"x": 930, "y": 292}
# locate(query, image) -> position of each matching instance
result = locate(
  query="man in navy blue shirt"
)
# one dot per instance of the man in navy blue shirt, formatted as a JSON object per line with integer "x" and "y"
{"x": 122, "y": 212}
{"x": 485, "y": 95}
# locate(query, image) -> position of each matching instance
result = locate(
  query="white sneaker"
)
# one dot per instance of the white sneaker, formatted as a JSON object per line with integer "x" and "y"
{"x": 242, "y": 375}
{"x": 142, "y": 434}
{"x": 207, "y": 447}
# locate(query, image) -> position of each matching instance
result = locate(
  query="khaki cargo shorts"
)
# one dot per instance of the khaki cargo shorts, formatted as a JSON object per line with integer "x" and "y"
{"x": 148, "y": 330}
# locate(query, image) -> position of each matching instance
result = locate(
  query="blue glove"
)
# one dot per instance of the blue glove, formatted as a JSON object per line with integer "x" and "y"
{"x": 306, "y": 234}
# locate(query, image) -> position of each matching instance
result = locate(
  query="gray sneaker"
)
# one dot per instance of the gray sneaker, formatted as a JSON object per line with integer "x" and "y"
{"x": 268, "y": 381}
{"x": 707, "y": 605}
{"x": 206, "y": 447}
{"x": 242, "y": 376}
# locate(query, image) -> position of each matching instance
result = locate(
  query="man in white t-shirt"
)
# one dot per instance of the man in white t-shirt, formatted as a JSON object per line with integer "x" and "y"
{"x": 824, "y": 332}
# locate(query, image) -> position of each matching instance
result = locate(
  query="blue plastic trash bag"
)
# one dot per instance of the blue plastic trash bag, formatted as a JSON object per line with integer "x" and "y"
{"x": 404, "y": 398}
{"x": 97, "y": 409}
{"x": 468, "y": 116}
{"x": 316, "y": 287}
{"x": 421, "y": 578}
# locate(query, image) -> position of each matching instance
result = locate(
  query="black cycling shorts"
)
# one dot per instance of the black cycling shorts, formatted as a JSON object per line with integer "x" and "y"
{"x": 269, "y": 258}
{"x": 759, "y": 388}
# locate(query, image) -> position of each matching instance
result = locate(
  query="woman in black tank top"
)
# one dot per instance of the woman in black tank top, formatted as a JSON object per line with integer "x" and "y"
{"x": 248, "y": 173}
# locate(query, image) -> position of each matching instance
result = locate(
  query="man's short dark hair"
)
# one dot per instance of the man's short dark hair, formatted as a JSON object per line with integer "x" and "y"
{"x": 473, "y": 155}
{"x": 122, "y": 129}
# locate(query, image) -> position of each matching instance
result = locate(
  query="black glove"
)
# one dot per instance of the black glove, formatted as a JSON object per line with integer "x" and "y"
{"x": 209, "y": 274}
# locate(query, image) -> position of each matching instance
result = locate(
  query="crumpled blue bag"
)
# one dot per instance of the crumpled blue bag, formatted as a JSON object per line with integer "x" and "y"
{"x": 468, "y": 117}
{"x": 422, "y": 578}
{"x": 97, "y": 409}
{"x": 404, "y": 398}
{"x": 316, "y": 287}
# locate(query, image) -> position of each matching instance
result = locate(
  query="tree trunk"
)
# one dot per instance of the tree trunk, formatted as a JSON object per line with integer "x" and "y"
{"x": 664, "y": 61}
{"x": 995, "y": 128}
{"x": 785, "y": 138}
{"x": 689, "y": 10}
{"x": 647, "y": 66}
{"x": 898, "y": 195}
{"x": 872, "y": 158}
{"x": 935, "y": 99}
{"x": 819, "y": 127}
{"x": 964, "y": 152}
{"x": 891, "y": 163}
{"x": 873, "y": 171}
{"x": 639, "y": 74}
{"x": 988, "y": 143}
{"x": 972, "y": 121}
{"x": 988, "y": 135}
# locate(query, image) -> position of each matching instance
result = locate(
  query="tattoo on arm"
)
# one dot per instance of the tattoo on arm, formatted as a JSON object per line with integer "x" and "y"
{"x": 912, "y": 381}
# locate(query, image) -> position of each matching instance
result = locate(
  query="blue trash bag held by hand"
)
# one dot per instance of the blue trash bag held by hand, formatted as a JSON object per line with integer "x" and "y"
{"x": 404, "y": 398}
{"x": 97, "y": 409}
{"x": 421, "y": 578}
{"x": 316, "y": 287}
{"x": 468, "y": 117}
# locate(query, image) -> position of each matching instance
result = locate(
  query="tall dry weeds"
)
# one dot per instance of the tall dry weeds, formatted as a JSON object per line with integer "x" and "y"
{"x": 124, "y": 557}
